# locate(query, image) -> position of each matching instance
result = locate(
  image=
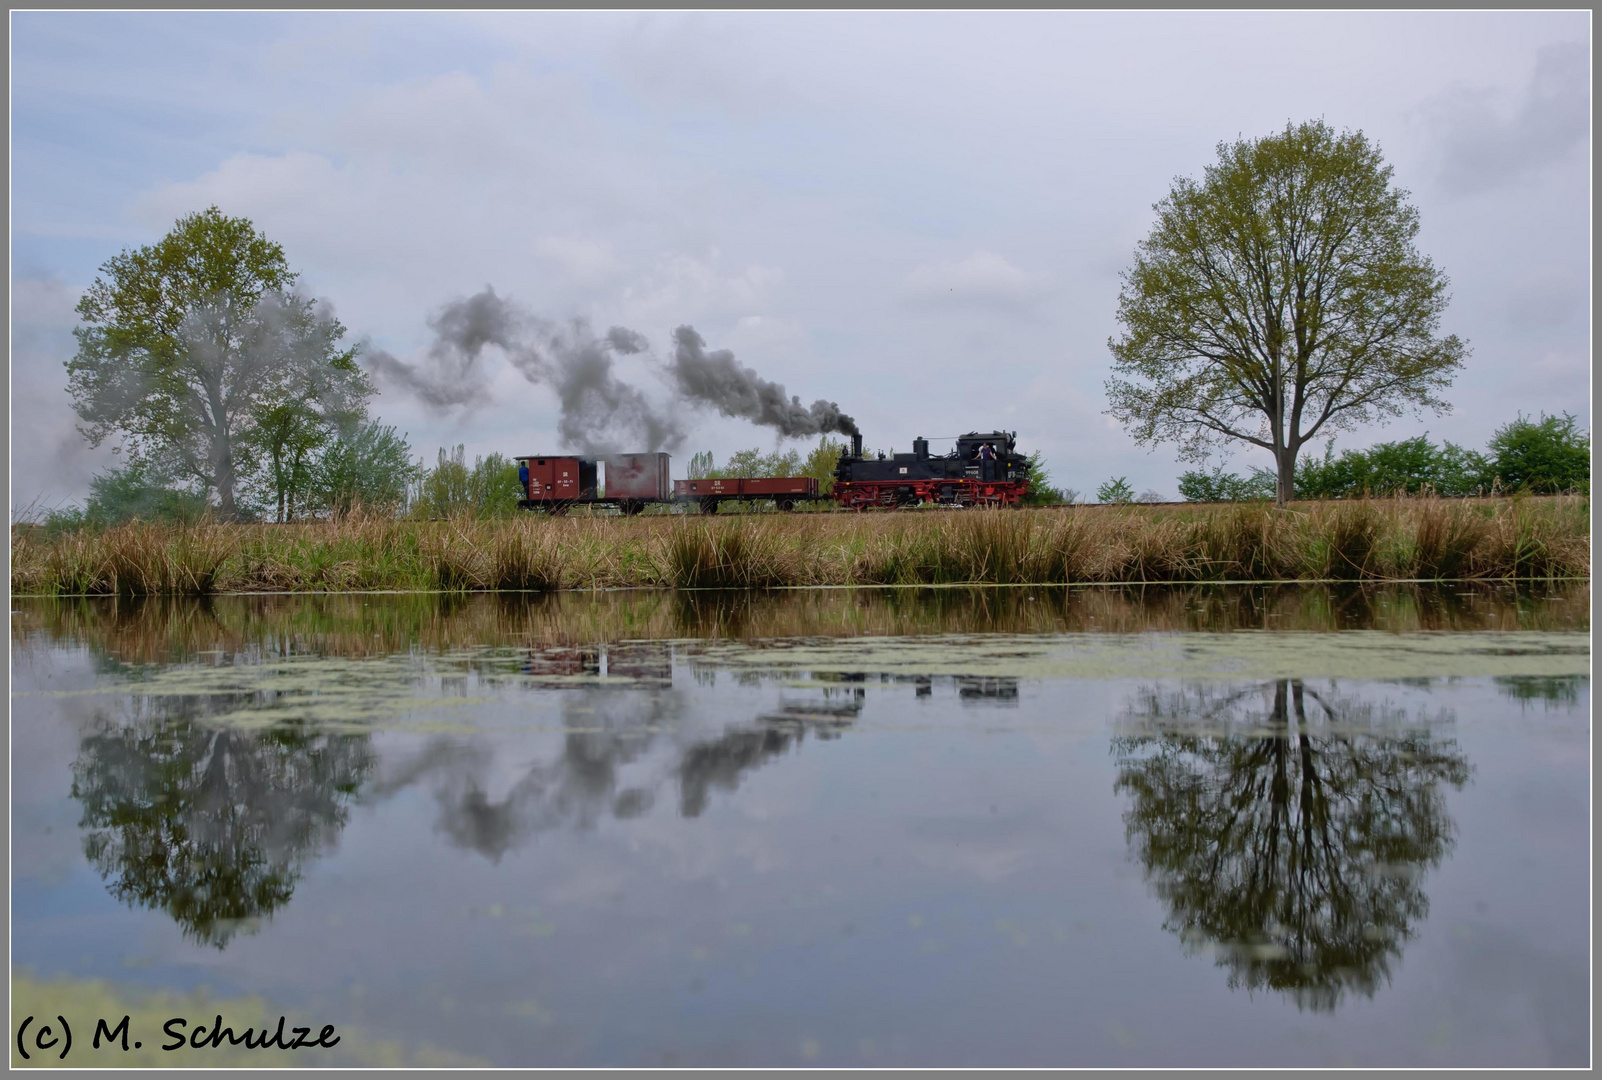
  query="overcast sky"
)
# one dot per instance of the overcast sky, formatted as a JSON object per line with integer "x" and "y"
{"x": 920, "y": 216}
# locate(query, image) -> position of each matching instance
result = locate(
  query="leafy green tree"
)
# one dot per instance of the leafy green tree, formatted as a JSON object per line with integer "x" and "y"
{"x": 821, "y": 463}
{"x": 370, "y": 466}
{"x": 184, "y": 343}
{"x": 319, "y": 394}
{"x": 447, "y": 487}
{"x": 701, "y": 465}
{"x": 754, "y": 462}
{"x": 1549, "y": 454}
{"x": 1116, "y": 490}
{"x": 1287, "y": 829}
{"x": 1552, "y": 691}
{"x": 1041, "y": 492}
{"x": 1409, "y": 466}
{"x": 1460, "y": 472}
{"x": 1280, "y": 297}
{"x": 1219, "y": 486}
{"x": 493, "y": 486}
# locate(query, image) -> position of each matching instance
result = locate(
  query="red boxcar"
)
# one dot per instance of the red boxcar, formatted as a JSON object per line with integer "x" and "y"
{"x": 637, "y": 476}
{"x": 559, "y": 479}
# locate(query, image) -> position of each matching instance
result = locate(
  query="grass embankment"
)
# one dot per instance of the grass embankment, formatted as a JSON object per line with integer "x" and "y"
{"x": 1402, "y": 539}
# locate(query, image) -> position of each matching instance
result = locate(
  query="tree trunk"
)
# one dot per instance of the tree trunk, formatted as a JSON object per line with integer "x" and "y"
{"x": 222, "y": 450}
{"x": 225, "y": 478}
{"x": 1285, "y": 485}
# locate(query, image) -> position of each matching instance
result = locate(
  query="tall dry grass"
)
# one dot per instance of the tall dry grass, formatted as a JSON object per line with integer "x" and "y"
{"x": 1381, "y": 540}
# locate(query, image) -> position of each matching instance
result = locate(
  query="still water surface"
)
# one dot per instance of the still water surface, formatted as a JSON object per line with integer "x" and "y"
{"x": 834, "y": 827}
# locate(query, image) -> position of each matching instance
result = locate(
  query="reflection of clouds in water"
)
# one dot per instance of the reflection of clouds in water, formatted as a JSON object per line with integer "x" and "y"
{"x": 1287, "y": 828}
{"x": 989, "y": 849}
{"x": 1520, "y": 1004}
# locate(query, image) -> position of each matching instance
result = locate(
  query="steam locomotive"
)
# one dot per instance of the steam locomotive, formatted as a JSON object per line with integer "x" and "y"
{"x": 985, "y": 469}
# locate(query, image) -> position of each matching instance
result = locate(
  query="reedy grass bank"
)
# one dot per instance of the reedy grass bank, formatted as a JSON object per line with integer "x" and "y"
{"x": 1381, "y": 540}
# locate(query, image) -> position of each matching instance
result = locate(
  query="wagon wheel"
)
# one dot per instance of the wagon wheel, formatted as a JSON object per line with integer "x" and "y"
{"x": 709, "y": 506}
{"x": 786, "y": 505}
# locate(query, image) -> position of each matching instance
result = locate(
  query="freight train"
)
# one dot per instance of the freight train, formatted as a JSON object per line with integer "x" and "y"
{"x": 555, "y": 483}
{"x": 984, "y": 469}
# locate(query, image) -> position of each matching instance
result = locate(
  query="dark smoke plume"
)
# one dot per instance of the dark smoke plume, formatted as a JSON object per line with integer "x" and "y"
{"x": 599, "y": 412}
{"x": 595, "y": 404}
{"x": 713, "y": 378}
{"x": 452, "y": 374}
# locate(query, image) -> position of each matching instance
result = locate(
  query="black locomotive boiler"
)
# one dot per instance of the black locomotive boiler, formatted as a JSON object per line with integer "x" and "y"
{"x": 985, "y": 469}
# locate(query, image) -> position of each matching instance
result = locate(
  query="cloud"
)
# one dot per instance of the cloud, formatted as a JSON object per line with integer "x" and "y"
{"x": 983, "y": 279}
{"x": 51, "y": 463}
{"x": 700, "y": 61}
{"x": 686, "y": 288}
{"x": 655, "y": 170}
{"x": 578, "y": 258}
{"x": 1546, "y": 304}
{"x": 1484, "y": 139}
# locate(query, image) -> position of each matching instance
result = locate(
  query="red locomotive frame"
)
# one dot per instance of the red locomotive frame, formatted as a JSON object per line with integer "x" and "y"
{"x": 863, "y": 494}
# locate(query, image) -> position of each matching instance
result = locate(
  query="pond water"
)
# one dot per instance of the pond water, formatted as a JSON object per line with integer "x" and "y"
{"x": 1213, "y": 826}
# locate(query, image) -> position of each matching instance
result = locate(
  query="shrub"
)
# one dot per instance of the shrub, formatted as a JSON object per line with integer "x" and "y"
{"x": 494, "y": 487}
{"x": 370, "y": 466}
{"x": 1116, "y": 490}
{"x": 1408, "y": 466}
{"x": 138, "y": 493}
{"x": 1041, "y": 492}
{"x": 821, "y": 463}
{"x": 1546, "y": 455}
{"x": 701, "y": 465}
{"x": 491, "y": 488}
{"x": 1221, "y": 486}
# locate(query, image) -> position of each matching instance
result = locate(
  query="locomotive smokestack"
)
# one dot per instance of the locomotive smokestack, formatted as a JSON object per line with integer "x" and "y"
{"x": 856, "y": 444}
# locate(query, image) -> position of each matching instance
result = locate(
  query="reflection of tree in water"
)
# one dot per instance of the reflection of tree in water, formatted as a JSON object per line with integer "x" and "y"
{"x": 211, "y": 824}
{"x": 1553, "y": 691}
{"x": 1290, "y": 840}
